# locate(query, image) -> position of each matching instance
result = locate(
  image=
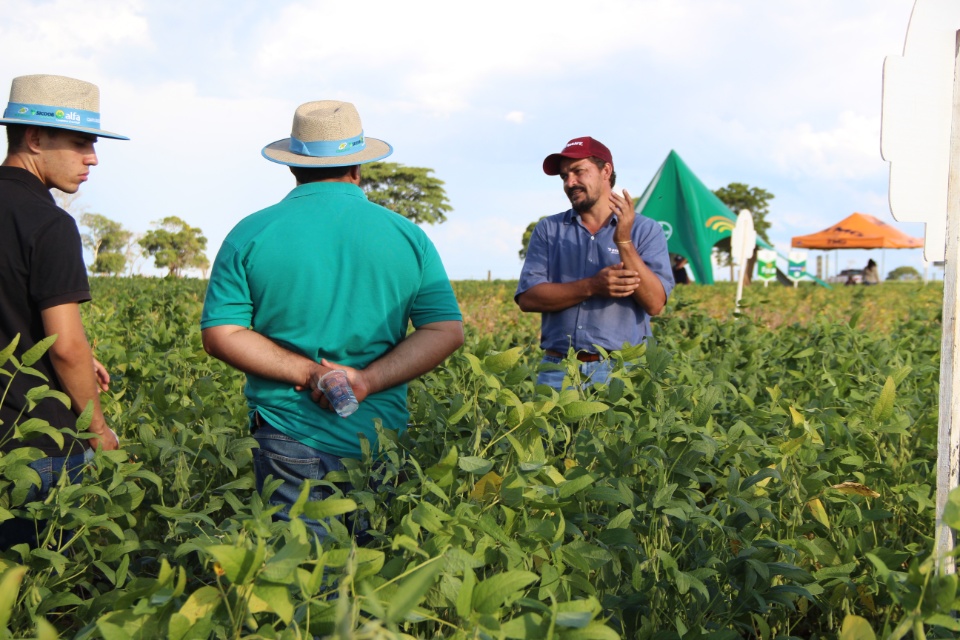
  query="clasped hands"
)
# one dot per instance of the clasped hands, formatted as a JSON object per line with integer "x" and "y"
{"x": 358, "y": 382}
{"x": 616, "y": 281}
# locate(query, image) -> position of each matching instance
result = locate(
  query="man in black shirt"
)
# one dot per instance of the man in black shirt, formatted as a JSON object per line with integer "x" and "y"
{"x": 52, "y": 125}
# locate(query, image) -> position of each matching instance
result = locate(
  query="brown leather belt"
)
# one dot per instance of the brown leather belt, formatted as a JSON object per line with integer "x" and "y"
{"x": 582, "y": 356}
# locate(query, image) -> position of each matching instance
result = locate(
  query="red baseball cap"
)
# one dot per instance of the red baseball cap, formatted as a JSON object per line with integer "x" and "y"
{"x": 585, "y": 147}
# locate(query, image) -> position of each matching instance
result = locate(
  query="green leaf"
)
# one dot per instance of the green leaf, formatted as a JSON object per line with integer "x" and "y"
{"x": 951, "y": 509}
{"x": 491, "y": 593}
{"x": 465, "y": 595}
{"x": 856, "y": 628}
{"x": 239, "y": 564}
{"x": 818, "y": 512}
{"x": 200, "y": 604}
{"x": 36, "y": 352}
{"x": 576, "y": 485}
{"x": 8, "y": 350}
{"x": 273, "y": 597}
{"x": 529, "y": 626}
{"x": 500, "y": 362}
{"x": 583, "y": 408}
{"x": 9, "y": 590}
{"x": 884, "y": 407}
{"x": 595, "y": 631}
{"x": 412, "y": 589}
{"x": 329, "y": 508}
{"x": 474, "y": 464}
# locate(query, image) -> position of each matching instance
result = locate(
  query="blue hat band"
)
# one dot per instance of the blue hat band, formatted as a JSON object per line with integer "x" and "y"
{"x": 327, "y": 148}
{"x": 45, "y": 114}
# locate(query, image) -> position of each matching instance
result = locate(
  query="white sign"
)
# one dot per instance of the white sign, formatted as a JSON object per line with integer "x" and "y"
{"x": 917, "y": 117}
{"x": 742, "y": 244}
{"x": 920, "y": 136}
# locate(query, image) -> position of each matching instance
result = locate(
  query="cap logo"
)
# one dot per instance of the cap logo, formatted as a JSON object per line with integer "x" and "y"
{"x": 578, "y": 143}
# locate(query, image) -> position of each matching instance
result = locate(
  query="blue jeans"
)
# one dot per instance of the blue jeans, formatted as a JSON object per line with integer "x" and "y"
{"x": 293, "y": 462}
{"x": 19, "y": 530}
{"x": 590, "y": 372}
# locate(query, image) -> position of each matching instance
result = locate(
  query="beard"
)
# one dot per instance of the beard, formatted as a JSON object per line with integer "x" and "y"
{"x": 585, "y": 203}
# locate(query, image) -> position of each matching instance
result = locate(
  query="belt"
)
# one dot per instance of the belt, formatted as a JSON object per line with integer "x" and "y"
{"x": 582, "y": 356}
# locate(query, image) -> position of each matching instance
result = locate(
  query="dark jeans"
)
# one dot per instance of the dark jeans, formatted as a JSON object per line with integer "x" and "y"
{"x": 590, "y": 373}
{"x": 19, "y": 530}
{"x": 293, "y": 462}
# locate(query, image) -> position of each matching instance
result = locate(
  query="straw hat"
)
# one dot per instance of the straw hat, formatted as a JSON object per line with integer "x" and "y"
{"x": 58, "y": 102}
{"x": 326, "y": 133}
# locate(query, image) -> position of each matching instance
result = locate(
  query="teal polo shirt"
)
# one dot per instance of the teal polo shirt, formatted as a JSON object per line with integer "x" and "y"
{"x": 327, "y": 274}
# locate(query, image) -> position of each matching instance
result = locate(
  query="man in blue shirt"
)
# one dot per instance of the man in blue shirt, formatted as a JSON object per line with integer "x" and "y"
{"x": 596, "y": 272}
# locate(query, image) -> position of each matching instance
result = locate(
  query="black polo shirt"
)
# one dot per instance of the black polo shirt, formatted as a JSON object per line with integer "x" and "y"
{"x": 41, "y": 266}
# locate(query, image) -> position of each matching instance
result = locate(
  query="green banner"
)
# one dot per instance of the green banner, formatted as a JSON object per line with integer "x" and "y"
{"x": 693, "y": 218}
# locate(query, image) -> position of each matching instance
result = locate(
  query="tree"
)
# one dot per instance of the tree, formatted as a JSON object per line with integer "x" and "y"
{"x": 410, "y": 191}
{"x": 176, "y": 246}
{"x": 526, "y": 238}
{"x": 69, "y": 202}
{"x": 107, "y": 241}
{"x": 904, "y": 273}
{"x": 133, "y": 252}
{"x": 737, "y": 196}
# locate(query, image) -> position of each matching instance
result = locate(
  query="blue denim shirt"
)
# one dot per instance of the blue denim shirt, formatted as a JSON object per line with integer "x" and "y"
{"x": 562, "y": 250}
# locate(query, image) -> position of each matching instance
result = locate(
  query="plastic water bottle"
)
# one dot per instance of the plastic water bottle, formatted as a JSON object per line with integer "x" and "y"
{"x": 337, "y": 388}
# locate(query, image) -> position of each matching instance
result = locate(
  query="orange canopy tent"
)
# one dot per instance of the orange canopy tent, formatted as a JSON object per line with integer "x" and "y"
{"x": 858, "y": 231}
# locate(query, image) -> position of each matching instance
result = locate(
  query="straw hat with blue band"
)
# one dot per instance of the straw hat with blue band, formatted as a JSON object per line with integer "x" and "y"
{"x": 57, "y": 102}
{"x": 326, "y": 133}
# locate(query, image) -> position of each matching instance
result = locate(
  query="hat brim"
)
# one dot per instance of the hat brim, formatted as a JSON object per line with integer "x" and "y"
{"x": 551, "y": 164}
{"x": 68, "y": 127}
{"x": 280, "y": 153}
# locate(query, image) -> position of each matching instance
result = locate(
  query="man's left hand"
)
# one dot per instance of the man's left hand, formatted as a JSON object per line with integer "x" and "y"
{"x": 103, "y": 378}
{"x": 623, "y": 209}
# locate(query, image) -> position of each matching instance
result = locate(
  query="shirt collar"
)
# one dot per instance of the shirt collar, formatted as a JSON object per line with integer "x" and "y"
{"x": 312, "y": 188}
{"x": 570, "y": 216}
{"x": 29, "y": 180}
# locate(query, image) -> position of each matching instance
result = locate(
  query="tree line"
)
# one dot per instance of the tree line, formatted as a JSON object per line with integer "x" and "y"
{"x": 178, "y": 247}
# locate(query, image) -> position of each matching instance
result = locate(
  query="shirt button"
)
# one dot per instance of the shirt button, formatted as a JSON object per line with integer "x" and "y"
{"x": 593, "y": 237}
{"x": 580, "y": 327}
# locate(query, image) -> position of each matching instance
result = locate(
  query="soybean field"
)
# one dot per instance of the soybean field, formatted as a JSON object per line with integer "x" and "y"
{"x": 767, "y": 474}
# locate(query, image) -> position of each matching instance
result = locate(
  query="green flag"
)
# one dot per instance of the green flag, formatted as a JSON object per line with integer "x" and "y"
{"x": 692, "y": 217}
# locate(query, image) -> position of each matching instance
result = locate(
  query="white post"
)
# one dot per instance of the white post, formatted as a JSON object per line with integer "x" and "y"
{"x": 948, "y": 456}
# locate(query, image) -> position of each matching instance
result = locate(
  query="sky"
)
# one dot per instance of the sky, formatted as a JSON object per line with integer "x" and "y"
{"x": 782, "y": 95}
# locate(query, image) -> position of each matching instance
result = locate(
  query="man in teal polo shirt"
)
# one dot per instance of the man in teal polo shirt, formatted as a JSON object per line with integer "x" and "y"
{"x": 326, "y": 280}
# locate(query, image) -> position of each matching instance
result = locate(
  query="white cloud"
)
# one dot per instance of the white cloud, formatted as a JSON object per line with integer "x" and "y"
{"x": 515, "y": 117}
{"x": 66, "y": 38}
{"x": 850, "y": 150}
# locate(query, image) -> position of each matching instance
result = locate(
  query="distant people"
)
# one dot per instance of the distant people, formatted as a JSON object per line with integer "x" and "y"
{"x": 851, "y": 279}
{"x": 52, "y": 125}
{"x": 870, "y": 273}
{"x": 324, "y": 280}
{"x": 596, "y": 272}
{"x": 680, "y": 275}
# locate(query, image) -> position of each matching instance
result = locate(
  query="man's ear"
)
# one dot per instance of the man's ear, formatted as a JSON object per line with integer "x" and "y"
{"x": 31, "y": 139}
{"x": 355, "y": 174}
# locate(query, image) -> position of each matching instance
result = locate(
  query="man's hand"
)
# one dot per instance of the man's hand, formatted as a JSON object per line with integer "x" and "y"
{"x": 359, "y": 384}
{"x": 103, "y": 377}
{"x": 623, "y": 208}
{"x": 615, "y": 281}
{"x": 106, "y": 438}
